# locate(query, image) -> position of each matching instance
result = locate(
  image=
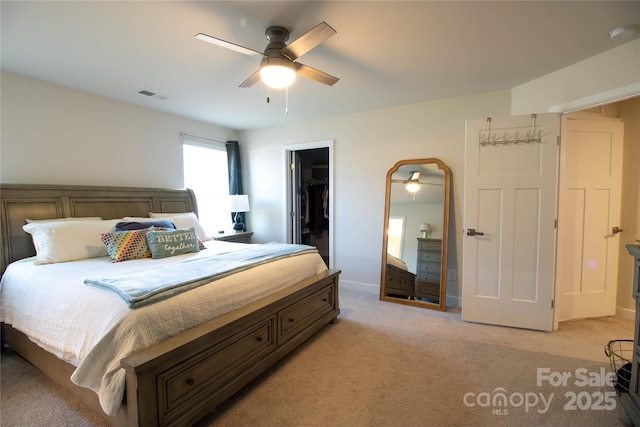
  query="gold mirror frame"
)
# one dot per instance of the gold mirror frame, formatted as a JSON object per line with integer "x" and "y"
{"x": 441, "y": 304}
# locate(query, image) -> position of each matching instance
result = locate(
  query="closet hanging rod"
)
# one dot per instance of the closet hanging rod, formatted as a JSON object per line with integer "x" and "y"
{"x": 320, "y": 180}
{"x": 532, "y": 135}
{"x": 201, "y": 137}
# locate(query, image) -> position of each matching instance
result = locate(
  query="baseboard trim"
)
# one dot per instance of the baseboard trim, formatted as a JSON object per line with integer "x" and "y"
{"x": 454, "y": 302}
{"x": 626, "y": 313}
{"x": 351, "y": 282}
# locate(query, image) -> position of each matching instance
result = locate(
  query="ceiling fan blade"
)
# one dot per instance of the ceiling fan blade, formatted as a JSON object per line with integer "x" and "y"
{"x": 308, "y": 41}
{"x": 229, "y": 45}
{"x": 253, "y": 79}
{"x": 414, "y": 176}
{"x": 316, "y": 75}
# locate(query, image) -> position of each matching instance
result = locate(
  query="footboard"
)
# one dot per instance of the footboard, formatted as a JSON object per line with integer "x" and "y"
{"x": 180, "y": 380}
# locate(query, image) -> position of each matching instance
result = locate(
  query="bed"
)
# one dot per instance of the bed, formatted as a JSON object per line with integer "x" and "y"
{"x": 399, "y": 280}
{"x": 205, "y": 355}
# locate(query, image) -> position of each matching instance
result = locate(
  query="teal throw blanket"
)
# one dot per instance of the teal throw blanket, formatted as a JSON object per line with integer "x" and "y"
{"x": 148, "y": 286}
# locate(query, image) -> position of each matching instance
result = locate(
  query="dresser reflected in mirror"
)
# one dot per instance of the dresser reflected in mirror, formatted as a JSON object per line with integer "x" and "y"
{"x": 415, "y": 234}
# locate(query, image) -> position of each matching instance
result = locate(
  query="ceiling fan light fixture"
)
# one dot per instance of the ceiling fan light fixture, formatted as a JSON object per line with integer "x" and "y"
{"x": 277, "y": 73}
{"x": 412, "y": 186}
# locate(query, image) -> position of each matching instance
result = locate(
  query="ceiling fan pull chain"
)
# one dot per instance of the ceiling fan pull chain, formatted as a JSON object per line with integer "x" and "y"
{"x": 268, "y": 100}
{"x": 286, "y": 94}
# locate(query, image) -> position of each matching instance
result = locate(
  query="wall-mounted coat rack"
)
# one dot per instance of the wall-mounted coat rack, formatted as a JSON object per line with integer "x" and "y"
{"x": 532, "y": 135}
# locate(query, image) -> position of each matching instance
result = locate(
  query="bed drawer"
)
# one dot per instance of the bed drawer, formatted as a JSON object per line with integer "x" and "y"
{"x": 400, "y": 288}
{"x": 295, "y": 318}
{"x": 209, "y": 372}
{"x": 399, "y": 282}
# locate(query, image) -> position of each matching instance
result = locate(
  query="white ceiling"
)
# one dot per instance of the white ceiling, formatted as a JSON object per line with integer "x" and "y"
{"x": 385, "y": 53}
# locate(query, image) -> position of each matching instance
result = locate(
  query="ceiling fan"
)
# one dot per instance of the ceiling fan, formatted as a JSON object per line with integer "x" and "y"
{"x": 413, "y": 183}
{"x": 278, "y": 68}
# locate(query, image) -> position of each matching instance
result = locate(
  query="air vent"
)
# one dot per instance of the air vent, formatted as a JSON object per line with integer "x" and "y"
{"x": 152, "y": 94}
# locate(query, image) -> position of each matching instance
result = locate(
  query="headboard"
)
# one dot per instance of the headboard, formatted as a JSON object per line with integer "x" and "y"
{"x": 34, "y": 201}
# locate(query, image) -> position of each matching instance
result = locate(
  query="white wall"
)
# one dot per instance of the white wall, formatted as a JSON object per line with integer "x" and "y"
{"x": 611, "y": 74}
{"x": 366, "y": 146}
{"x": 52, "y": 134}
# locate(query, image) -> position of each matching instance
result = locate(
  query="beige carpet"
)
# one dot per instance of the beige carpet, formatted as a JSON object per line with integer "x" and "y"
{"x": 386, "y": 364}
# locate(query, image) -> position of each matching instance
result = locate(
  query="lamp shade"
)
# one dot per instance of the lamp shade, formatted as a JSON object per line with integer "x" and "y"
{"x": 239, "y": 203}
{"x": 425, "y": 227}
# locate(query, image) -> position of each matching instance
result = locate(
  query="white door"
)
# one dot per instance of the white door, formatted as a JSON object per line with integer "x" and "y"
{"x": 509, "y": 213}
{"x": 588, "y": 217}
{"x": 295, "y": 215}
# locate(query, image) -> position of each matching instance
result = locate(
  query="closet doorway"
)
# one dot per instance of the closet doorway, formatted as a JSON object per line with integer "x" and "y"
{"x": 310, "y": 196}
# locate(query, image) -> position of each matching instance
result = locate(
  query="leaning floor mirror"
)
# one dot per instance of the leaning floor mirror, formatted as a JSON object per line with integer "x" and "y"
{"x": 414, "y": 243}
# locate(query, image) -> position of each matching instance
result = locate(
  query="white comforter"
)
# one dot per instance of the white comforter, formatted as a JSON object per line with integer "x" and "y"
{"x": 94, "y": 329}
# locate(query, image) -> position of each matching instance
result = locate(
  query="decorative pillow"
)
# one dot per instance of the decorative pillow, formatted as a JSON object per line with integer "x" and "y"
{"x": 139, "y": 225}
{"x": 173, "y": 225}
{"x": 69, "y": 218}
{"x": 172, "y": 242}
{"x": 184, "y": 220}
{"x": 59, "y": 241}
{"x": 127, "y": 245}
{"x": 137, "y": 219}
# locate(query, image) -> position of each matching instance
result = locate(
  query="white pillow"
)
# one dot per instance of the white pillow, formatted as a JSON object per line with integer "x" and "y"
{"x": 69, "y": 218}
{"x": 183, "y": 220}
{"x": 60, "y": 241}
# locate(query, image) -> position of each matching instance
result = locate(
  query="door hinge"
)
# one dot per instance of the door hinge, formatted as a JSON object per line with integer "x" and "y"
{"x": 558, "y": 140}
{"x": 552, "y": 304}
{"x": 292, "y": 166}
{"x": 555, "y": 223}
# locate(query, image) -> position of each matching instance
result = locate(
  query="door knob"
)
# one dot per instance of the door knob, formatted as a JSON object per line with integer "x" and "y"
{"x": 616, "y": 230}
{"x": 473, "y": 232}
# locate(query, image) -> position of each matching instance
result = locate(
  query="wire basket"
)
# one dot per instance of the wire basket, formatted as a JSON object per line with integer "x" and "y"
{"x": 620, "y": 354}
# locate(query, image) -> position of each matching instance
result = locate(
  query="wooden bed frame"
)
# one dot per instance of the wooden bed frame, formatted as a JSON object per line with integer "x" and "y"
{"x": 182, "y": 379}
{"x": 399, "y": 282}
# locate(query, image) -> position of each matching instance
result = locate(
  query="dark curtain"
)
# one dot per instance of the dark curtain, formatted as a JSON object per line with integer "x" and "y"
{"x": 235, "y": 171}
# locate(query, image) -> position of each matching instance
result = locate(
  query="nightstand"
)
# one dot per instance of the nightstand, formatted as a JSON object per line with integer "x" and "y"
{"x": 235, "y": 236}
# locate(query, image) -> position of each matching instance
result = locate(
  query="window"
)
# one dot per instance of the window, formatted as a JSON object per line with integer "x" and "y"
{"x": 394, "y": 236}
{"x": 206, "y": 173}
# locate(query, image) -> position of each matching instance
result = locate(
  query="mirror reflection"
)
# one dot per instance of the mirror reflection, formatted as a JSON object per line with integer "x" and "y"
{"x": 415, "y": 234}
